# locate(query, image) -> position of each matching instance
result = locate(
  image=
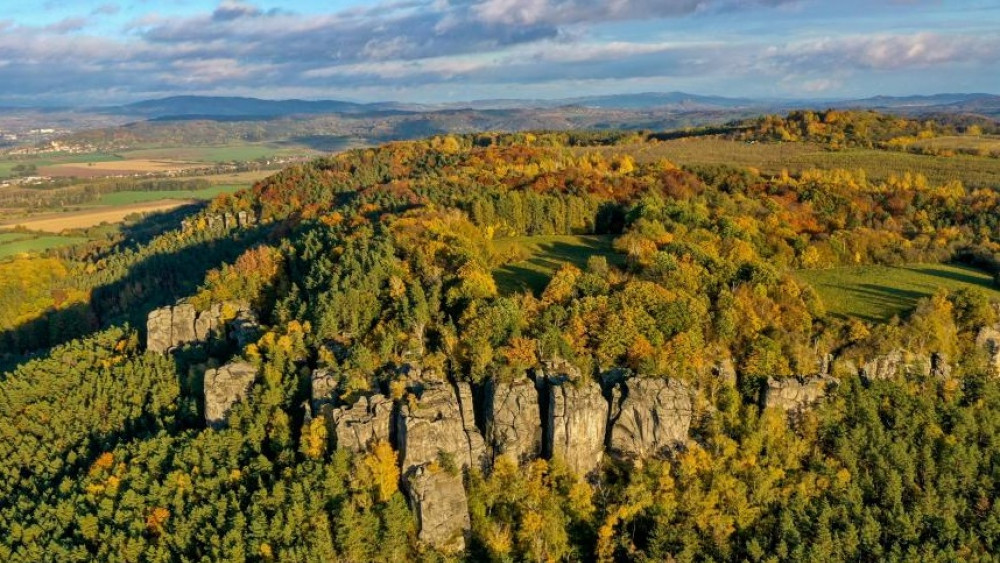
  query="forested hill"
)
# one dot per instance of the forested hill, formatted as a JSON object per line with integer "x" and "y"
{"x": 325, "y": 367}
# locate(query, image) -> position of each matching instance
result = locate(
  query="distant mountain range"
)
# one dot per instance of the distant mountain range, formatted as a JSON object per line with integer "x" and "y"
{"x": 230, "y": 108}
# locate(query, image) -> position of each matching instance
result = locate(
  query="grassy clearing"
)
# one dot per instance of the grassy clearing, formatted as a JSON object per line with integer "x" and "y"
{"x": 877, "y": 293}
{"x": 33, "y": 243}
{"x": 537, "y": 258}
{"x": 87, "y": 218}
{"x": 771, "y": 158}
{"x": 129, "y": 198}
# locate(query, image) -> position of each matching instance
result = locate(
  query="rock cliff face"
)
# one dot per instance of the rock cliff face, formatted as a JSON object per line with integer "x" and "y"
{"x": 441, "y": 423}
{"x": 356, "y": 427}
{"x": 170, "y": 327}
{"x": 577, "y": 425}
{"x": 224, "y": 387}
{"x": 649, "y": 416}
{"x": 895, "y": 363}
{"x": 514, "y": 424}
{"x": 438, "y": 499}
{"x": 794, "y": 394}
{"x": 988, "y": 340}
{"x": 323, "y": 389}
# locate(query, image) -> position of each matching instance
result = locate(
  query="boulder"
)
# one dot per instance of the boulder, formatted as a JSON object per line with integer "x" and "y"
{"x": 438, "y": 499}
{"x": 514, "y": 424}
{"x": 356, "y": 427}
{"x": 577, "y": 425}
{"x": 439, "y": 424}
{"x": 648, "y": 417}
{"x": 794, "y": 394}
{"x": 224, "y": 387}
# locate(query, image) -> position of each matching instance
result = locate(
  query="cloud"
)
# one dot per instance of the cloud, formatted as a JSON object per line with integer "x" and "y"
{"x": 106, "y": 10}
{"x": 466, "y": 45}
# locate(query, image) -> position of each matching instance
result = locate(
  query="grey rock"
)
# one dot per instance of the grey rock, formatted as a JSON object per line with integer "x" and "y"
{"x": 356, "y": 427}
{"x": 725, "y": 372}
{"x": 940, "y": 367}
{"x": 224, "y": 387}
{"x": 183, "y": 324}
{"x": 648, "y": 417}
{"x": 988, "y": 340}
{"x": 159, "y": 330}
{"x": 438, "y": 499}
{"x": 440, "y": 423}
{"x": 514, "y": 423}
{"x": 245, "y": 329}
{"x": 579, "y": 420}
{"x": 208, "y": 323}
{"x": 795, "y": 394}
{"x": 323, "y": 388}
{"x": 895, "y": 363}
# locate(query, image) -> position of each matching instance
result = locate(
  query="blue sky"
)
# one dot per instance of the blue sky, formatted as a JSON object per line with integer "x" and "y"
{"x": 106, "y": 51}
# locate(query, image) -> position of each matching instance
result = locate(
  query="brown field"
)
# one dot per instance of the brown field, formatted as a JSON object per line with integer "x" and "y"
{"x": 233, "y": 178}
{"x": 58, "y": 222}
{"x": 115, "y": 167}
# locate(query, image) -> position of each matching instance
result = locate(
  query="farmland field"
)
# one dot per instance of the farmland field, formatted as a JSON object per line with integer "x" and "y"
{"x": 877, "y": 293}
{"x": 12, "y": 244}
{"x": 213, "y": 154}
{"x": 771, "y": 158}
{"x": 58, "y": 222}
{"x": 129, "y": 198}
{"x": 539, "y": 257}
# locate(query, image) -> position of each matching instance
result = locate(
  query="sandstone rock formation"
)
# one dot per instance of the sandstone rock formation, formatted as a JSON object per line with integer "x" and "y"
{"x": 988, "y": 340}
{"x": 438, "y": 499}
{"x": 648, "y": 416}
{"x": 895, "y": 363}
{"x": 224, "y": 387}
{"x": 323, "y": 389}
{"x": 577, "y": 424}
{"x": 794, "y": 394}
{"x": 173, "y": 326}
{"x": 514, "y": 424}
{"x": 356, "y": 427}
{"x": 440, "y": 423}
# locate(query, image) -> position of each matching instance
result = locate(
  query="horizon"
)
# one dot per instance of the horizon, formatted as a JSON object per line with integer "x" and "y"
{"x": 87, "y": 53}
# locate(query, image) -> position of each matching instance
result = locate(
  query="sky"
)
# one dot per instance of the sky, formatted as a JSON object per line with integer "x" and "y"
{"x": 99, "y": 52}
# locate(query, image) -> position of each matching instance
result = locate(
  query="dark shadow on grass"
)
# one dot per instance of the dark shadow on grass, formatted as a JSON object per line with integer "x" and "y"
{"x": 550, "y": 257}
{"x": 963, "y": 277}
{"x": 154, "y": 280}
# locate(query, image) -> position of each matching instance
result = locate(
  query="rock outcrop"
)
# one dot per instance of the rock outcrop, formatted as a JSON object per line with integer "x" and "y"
{"x": 577, "y": 424}
{"x": 356, "y": 427}
{"x": 648, "y": 417}
{"x": 440, "y": 424}
{"x": 224, "y": 387}
{"x": 322, "y": 389}
{"x": 988, "y": 340}
{"x": 794, "y": 394}
{"x": 893, "y": 364}
{"x": 513, "y": 419}
{"x": 173, "y": 326}
{"x": 438, "y": 499}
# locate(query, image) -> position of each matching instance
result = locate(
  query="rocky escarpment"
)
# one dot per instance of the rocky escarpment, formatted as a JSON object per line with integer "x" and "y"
{"x": 224, "y": 387}
{"x": 648, "y": 417}
{"x": 220, "y": 222}
{"x": 357, "y": 427}
{"x": 170, "y": 327}
{"x": 795, "y": 394}
{"x": 440, "y": 425}
{"x": 576, "y": 429}
{"x": 514, "y": 424}
{"x": 438, "y": 499}
{"x": 988, "y": 340}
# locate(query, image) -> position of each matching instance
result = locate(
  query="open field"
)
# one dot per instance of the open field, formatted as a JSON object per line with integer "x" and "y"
{"x": 12, "y": 244}
{"x": 984, "y": 144}
{"x": 543, "y": 255}
{"x": 58, "y": 222}
{"x": 771, "y": 158}
{"x": 877, "y": 293}
{"x": 129, "y": 198}
{"x": 214, "y": 154}
{"x": 116, "y": 168}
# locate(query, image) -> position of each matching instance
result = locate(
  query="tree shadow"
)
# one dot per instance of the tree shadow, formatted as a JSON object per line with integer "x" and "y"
{"x": 963, "y": 277}
{"x": 126, "y": 293}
